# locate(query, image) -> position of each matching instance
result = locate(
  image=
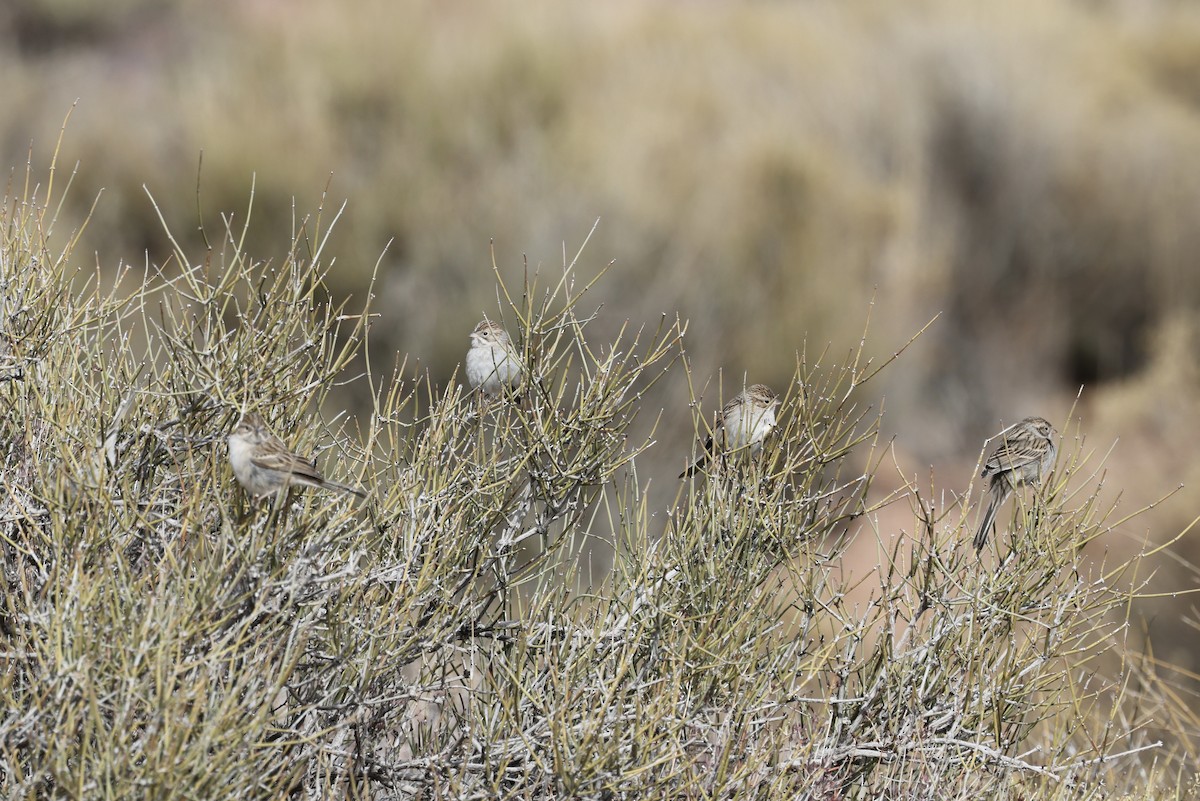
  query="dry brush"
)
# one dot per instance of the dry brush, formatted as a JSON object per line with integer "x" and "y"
{"x": 506, "y": 615}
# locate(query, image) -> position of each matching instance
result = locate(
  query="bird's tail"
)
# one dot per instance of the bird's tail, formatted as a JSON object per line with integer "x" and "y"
{"x": 691, "y": 471}
{"x": 700, "y": 462}
{"x": 346, "y": 488}
{"x": 997, "y": 494}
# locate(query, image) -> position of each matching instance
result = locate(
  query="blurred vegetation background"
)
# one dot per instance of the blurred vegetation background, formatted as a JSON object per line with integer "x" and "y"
{"x": 1028, "y": 170}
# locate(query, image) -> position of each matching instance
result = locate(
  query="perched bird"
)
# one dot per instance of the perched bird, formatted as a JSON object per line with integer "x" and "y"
{"x": 493, "y": 364}
{"x": 1025, "y": 456}
{"x": 744, "y": 422}
{"x": 263, "y": 464}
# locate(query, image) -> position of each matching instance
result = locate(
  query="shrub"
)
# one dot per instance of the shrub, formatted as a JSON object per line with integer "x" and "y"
{"x": 458, "y": 634}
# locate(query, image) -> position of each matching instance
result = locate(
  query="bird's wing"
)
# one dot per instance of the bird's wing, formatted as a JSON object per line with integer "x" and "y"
{"x": 732, "y": 405}
{"x": 287, "y": 463}
{"x": 1012, "y": 455}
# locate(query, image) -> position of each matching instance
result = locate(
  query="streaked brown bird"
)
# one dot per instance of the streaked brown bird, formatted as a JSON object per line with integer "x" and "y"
{"x": 1025, "y": 456}
{"x": 493, "y": 364}
{"x": 264, "y": 465}
{"x": 744, "y": 423}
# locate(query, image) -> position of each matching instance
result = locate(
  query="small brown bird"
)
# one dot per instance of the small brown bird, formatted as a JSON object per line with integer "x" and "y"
{"x": 263, "y": 464}
{"x": 1025, "y": 456}
{"x": 493, "y": 364}
{"x": 744, "y": 422}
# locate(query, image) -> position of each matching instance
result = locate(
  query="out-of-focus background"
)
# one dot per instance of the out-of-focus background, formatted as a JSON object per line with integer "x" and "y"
{"x": 1030, "y": 170}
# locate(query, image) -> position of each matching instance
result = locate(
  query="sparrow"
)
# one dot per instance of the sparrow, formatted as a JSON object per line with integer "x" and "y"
{"x": 744, "y": 422}
{"x": 493, "y": 364}
{"x": 263, "y": 464}
{"x": 1025, "y": 456}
